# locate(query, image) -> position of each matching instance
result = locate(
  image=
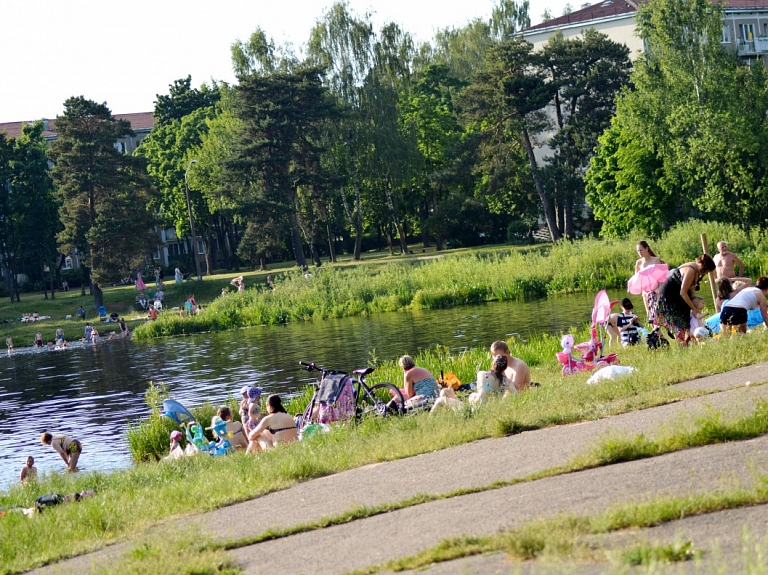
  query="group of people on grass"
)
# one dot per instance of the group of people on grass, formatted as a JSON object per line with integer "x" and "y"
{"x": 675, "y": 305}
{"x": 256, "y": 431}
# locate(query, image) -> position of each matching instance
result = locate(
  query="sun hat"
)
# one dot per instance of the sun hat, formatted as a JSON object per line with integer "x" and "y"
{"x": 254, "y": 394}
{"x": 175, "y": 435}
{"x": 244, "y": 390}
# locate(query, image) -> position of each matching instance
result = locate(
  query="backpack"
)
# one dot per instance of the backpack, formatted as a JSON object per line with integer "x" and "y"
{"x": 48, "y": 500}
{"x": 336, "y": 397}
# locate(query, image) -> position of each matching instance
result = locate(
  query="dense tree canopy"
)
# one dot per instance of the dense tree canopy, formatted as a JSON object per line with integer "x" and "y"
{"x": 103, "y": 194}
{"x": 689, "y": 139}
{"x": 277, "y": 149}
{"x": 367, "y": 139}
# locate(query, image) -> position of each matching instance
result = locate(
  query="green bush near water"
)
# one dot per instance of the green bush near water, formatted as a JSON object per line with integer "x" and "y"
{"x": 148, "y": 440}
{"x": 503, "y": 274}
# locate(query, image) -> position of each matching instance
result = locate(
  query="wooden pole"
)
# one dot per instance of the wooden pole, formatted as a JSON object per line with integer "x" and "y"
{"x": 712, "y": 282}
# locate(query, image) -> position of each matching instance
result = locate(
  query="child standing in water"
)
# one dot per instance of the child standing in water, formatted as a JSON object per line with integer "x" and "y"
{"x": 29, "y": 471}
{"x": 9, "y": 343}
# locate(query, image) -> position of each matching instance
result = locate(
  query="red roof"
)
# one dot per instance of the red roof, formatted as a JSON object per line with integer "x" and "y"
{"x": 611, "y": 8}
{"x": 139, "y": 121}
{"x": 605, "y": 9}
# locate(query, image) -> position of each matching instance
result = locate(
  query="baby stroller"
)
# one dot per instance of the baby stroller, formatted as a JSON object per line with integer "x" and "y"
{"x": 180, "y": 415}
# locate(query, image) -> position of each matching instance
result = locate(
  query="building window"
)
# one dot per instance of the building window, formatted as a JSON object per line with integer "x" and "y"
{"x": 173, "y": 250}
{"x": 747, "y": 32}
{"x": 200, "y": 247}
{"x": 68, "y": 263}
{"x": 726, "y": 39}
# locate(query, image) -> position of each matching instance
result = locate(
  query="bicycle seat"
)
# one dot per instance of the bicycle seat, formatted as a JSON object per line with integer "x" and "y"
{"x": 364, "y": 371}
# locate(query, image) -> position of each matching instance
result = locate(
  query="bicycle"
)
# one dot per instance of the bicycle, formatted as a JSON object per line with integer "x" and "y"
{"x": 382, "y": 399}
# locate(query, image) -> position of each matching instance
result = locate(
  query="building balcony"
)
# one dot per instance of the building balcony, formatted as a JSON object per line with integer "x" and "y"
{"x": 756, "y": 46}
{"x": 745, "y": 47}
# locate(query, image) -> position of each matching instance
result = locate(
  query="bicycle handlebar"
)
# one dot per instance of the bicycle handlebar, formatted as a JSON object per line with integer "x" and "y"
{"x": 310, "y": 366}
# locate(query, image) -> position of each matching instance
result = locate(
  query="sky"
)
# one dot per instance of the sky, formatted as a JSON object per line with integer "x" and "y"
{"x": 125, "y": 52}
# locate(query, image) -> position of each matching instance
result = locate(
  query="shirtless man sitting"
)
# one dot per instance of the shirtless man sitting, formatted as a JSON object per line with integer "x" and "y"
{"x": 517, "y": 370}
{"x": 726, "y": 263}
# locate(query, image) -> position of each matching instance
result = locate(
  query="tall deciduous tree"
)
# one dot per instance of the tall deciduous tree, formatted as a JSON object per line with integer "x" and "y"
{"x": 33, "y": 206}
{"x": 168, "y": 152}
{"x": 182, "y": 99}
{"x": 277, "y": 150}
{"x": 104, "y": 195}
{"x": 587, "y": 73}
{"x": 343, "y": 46}
{"x": 507, "y": 100}
{"x": 698, "y": 112}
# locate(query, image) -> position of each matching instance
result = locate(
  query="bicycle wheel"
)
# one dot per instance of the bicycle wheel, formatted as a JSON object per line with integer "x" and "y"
{"x": 382, "y": 399}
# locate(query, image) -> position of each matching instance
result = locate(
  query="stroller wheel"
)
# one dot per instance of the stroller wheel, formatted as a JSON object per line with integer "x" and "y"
{"x": 567, "y": 370}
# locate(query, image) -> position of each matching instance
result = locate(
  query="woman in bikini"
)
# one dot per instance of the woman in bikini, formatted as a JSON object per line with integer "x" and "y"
{"x": 647, "y": 258}
{"x": 238, "y": 437}
{"x": 275, "y": 428}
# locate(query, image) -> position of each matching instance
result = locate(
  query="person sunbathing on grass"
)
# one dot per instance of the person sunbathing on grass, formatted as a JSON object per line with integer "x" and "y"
{"x": 274, "y": 429}
{"x": 517, "y": 371}
{"x": 238, "y": 438}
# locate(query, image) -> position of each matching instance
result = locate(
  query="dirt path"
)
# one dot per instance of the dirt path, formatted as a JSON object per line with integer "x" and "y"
{"x": 473, "y": 465}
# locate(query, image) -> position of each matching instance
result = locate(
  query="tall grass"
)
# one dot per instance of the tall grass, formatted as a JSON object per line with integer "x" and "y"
{"x": 453, "y": 280}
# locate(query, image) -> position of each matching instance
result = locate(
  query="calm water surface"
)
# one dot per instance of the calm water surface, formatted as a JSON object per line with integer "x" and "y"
{"x": 92, "y": 392}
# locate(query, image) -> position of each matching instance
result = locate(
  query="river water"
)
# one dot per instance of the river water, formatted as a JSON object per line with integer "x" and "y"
{"x": 93, "y": 392}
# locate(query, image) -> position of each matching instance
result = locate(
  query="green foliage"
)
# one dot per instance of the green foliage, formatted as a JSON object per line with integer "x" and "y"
{"x": 687, "y": 140}
{"x": 276, "y": 153}
{"x": 649, "y": 554}
{"x": 182, "y": 99}
{"x": 588, "y": 72}
{"x": 432, "y": 284}
{"x": 149, "y": 438}
{"x": 104, "y": 195}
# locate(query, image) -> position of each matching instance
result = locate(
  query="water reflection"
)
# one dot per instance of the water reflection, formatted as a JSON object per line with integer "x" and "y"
{"x": 92, "y": 392}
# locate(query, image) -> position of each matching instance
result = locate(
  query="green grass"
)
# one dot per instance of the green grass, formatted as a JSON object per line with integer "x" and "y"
{"x": 131, "y": 500}
{"x": 567, "y": 537}
{"x": 646, "y": 554}
{"x": 385, "y": 283}
{"x": 456, "y": 278}
{"x": 175, "y": 553}
{"x": 452, "y": 280}
{"x": 528, "y": 544}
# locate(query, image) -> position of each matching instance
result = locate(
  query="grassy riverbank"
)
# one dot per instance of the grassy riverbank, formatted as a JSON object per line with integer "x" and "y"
{"x": 380, "y": 283}
{"x": 449, "y": 280}
{"x": 132, "y": 500}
